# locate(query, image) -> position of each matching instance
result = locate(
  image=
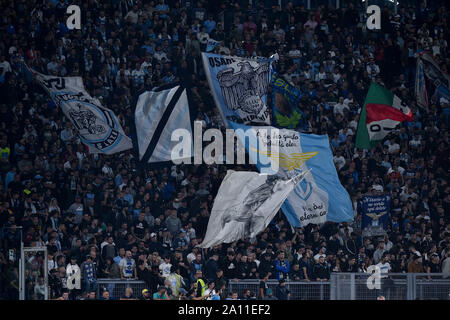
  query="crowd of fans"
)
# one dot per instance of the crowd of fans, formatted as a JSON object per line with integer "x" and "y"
{"x": 111, "y": 217}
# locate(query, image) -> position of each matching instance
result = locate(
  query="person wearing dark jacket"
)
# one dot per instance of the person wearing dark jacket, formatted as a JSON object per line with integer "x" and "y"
{"x": 296, "y": 274}
{"x": 281, "y": 291}
{"x": 152, "y": 278}
{"x": 321, "y": 271}
{"x": 242, "y": 268}
{"x": 229, "y": 266}
{"x": 211, "y": 266}
{"x": 266, "y": 266}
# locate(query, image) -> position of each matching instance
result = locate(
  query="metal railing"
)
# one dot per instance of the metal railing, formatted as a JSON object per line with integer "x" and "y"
{"x": 341, "y": 286}
{"x": 300, "y": 290}
{"x": 396, "y": 286}
{"x": 116, "y": 287}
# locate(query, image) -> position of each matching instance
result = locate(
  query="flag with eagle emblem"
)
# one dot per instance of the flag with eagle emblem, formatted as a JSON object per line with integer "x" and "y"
{"x": 239, "y": 87}
{"x": 380, "y": 115}
{"x": 319, "y": 197}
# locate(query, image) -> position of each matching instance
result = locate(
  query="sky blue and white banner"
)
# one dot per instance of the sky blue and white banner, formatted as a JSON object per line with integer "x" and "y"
{"x": 239, "y": 87}
{"x": 375, "y": 215}
{"x": 212, "y": 44}
{"x": 157, "y": 115}
{"x": 98, "y": 127}
{"x": 320, "y": 197}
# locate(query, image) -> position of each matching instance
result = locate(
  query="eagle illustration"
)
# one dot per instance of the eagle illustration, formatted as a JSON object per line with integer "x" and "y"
{"x": 243, "y": 90}
{"x": 86, "y": 119}
{"x": 375, "y": 216}
{"x": 288, "y": 161}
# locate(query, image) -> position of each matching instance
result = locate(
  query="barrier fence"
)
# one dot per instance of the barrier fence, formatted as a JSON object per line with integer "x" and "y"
{"x": 341, "y": 286}
{"x": 116, "y": 287}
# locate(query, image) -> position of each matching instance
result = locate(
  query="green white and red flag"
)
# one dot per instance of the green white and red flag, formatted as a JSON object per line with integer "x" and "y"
{"x": 381, "y": 113}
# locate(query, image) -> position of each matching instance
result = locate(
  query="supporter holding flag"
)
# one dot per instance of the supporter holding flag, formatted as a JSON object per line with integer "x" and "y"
{"x": 381, "y": 113}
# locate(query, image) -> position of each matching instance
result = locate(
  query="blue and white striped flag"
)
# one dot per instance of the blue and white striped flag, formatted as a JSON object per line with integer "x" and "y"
{"x": 158, "y": 114}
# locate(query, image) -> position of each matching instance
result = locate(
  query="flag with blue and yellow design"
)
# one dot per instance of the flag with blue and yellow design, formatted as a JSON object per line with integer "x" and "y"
{"x": 320, "y": 197}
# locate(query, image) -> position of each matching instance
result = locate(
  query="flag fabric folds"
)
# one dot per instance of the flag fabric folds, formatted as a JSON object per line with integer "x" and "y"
{"x": 245, "y": 204}
{"x": 375, "y": 215}
{"x": 211, "y": 45}
{"x": 320, "y": 197}
{"x": 239, "y": 87}
{"x": 381, "y": 113}
{"x": 98, "y": 127}
{"x": 157, "y": 114}
{"x": 285, "y": 99}
{"x": 433, "y": 72}
{"x": 420, "y": 87}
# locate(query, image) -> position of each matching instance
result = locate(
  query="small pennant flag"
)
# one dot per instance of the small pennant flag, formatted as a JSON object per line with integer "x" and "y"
{"x": 381, "y": 113}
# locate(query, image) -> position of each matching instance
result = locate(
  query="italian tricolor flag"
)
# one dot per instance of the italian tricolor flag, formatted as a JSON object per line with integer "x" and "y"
{"x": 381, "y": 113}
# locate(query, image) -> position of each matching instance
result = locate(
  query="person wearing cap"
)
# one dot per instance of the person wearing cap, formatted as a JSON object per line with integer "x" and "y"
{"x": 200, "y": 284}
{"x": 145, "y": 295}
{"x": 433, "y": 265}
{"x": 161, "y": 294}
{"x": 415, "y": 265}
{"x": 281, "y": 291}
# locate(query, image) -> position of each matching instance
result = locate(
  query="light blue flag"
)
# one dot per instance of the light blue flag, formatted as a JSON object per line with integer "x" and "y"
{"x": 211, "y": 45}
{"x": 239, "y": 87}
{"x": 320, "y": 197}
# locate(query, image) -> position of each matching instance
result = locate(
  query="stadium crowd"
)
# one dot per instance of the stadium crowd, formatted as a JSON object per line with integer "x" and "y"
{"x": 111, "y": 217}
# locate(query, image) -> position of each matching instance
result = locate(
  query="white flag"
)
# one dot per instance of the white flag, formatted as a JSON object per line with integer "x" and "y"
{"x": 158, "y": 113}
{"x": 98, "y": 127}
{"x": 245, "y": 204}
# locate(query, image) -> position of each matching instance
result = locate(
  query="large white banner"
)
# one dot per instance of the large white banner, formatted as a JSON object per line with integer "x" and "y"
{"x": 245, "y": 204}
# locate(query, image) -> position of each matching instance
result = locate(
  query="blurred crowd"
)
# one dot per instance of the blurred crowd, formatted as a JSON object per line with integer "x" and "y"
{"x": 111, "y": 217}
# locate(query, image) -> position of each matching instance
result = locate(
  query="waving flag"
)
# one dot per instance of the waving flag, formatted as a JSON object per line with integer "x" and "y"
{"x": 239, "y": 87}
{"x": 157, "y": 114}
{"x": 285, "y": 99}
{"x": 211, "y": 45}
{"x": 98, "y": 127}
{"x": 245, "y": 204}
{"x": 319, "y": 197}
{"x": 433, "y": 71}
{"x": 381, "y": 113}
{"x": 420, "y": 87}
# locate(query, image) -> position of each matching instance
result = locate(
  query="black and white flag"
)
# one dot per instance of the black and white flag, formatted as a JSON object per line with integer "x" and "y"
{"x": 245, "y": 205}
{"x": 158, "y": 114}
{"x": 98, "y": 127}
{"x": 433, "y": 71}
